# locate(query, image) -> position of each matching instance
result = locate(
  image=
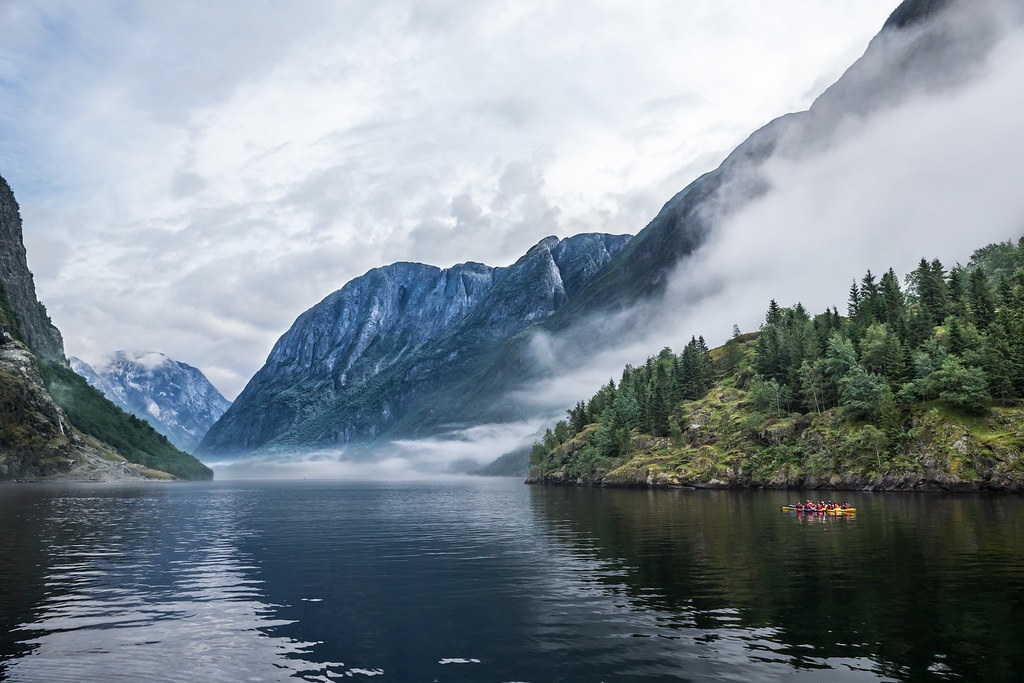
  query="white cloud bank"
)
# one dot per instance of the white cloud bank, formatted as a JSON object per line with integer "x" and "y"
{"x": 935, "y": 177}
{"x": 442, "y": 456}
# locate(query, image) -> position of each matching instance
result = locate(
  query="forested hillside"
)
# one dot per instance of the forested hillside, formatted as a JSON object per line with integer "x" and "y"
{"x": 918, "y": 385}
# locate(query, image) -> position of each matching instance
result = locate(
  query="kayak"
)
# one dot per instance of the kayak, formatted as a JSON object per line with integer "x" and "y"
{"x": 837, "y": 511}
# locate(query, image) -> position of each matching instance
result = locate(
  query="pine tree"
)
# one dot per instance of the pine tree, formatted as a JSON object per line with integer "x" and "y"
{"x": 981, "y": 299}
{"x": 999, "y": 363}
{"x": 955, "y": 292}
{"x": 891, "y": 299}
{"x": 870, "y": 304}
{"x": 873, "y": 347}
{"x": 732, "y": 355}
{"x": 954, "y": 336}
{"x": 853, "y": 301}
{"x": 658, "y": 413}
{"x": 929, "y": 283}
{"x": 890, "y": 420}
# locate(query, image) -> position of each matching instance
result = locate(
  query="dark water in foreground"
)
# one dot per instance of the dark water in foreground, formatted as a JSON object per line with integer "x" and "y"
{"x": 491, "y": 580}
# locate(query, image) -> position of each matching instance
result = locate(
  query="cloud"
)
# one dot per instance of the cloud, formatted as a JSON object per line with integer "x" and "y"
{"x": 223, "y": 166}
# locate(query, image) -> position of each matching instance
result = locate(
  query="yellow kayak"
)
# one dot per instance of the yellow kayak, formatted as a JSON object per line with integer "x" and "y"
{"x": 837, "y": 511}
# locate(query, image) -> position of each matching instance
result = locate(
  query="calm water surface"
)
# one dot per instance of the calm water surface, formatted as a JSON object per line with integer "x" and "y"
{"x": 491, "y": 580}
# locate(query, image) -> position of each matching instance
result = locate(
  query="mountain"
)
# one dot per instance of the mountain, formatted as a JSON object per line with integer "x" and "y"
{"x": 174, "y": 397}
{"x": 53, "y": 425}
{"x": 925, "y": 47}
{"x": 357, "y": 364}
{"x": 920, "y": 389}
{"x": 312, "y": 393}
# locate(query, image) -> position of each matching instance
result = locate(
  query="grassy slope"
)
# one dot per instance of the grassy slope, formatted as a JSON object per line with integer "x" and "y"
{"x": 720, "y": 441}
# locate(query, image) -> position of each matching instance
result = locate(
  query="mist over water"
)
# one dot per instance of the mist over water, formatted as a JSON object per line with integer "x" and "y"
{"x": 445, "y": 455}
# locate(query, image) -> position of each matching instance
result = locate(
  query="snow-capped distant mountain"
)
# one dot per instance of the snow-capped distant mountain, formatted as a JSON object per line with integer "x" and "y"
{"x": 174, "y": 397}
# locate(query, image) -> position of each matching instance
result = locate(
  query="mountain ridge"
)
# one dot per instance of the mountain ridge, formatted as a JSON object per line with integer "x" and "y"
{"x": 396, "y": 325}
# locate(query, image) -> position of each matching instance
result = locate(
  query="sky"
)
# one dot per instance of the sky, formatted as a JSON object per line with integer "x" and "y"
{"x": 192, "y": 175}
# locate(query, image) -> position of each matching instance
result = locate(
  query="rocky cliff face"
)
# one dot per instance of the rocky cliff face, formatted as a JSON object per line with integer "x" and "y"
{"x": 34, "y": 433}
{"x": 352, "y": 366}
{"x": 30, "y": 323}
{"x": 176, "y": 398}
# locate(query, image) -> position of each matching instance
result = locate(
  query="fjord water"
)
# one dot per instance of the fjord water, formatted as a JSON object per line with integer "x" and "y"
{"x": 491, "y": 580}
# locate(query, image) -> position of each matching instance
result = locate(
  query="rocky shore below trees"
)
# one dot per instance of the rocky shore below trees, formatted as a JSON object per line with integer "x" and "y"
{"x": 943, "y": 452}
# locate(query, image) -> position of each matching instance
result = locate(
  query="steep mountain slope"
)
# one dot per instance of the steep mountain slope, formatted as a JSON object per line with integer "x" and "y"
{"x": 52, "y": 424}
{"x": 354, "y": 364}
{"x": 174, "y": 397}
{"x": 924, "y": 47}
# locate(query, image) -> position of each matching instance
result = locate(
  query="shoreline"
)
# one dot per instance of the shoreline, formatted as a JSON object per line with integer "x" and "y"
{"x": 895, "y": 484}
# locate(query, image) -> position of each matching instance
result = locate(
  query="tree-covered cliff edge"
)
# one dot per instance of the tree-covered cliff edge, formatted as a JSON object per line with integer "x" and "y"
{"x": 920, "y": 386}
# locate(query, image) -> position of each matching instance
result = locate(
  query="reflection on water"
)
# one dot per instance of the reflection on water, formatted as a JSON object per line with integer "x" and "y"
{"x": 915, "y": 586}
{"x": 495, "y": 581}
{"x": 134, "y": 584}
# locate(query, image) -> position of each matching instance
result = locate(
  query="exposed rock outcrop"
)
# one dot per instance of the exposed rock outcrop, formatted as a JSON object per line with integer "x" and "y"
{"x": 30, "y": 322}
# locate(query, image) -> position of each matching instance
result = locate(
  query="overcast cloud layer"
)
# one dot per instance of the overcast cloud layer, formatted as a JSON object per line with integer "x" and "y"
{"x": 194, "y": 175}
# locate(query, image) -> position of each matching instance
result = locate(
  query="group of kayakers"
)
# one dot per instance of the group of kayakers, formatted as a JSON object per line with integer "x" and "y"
{"x": 821, "y": 506}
